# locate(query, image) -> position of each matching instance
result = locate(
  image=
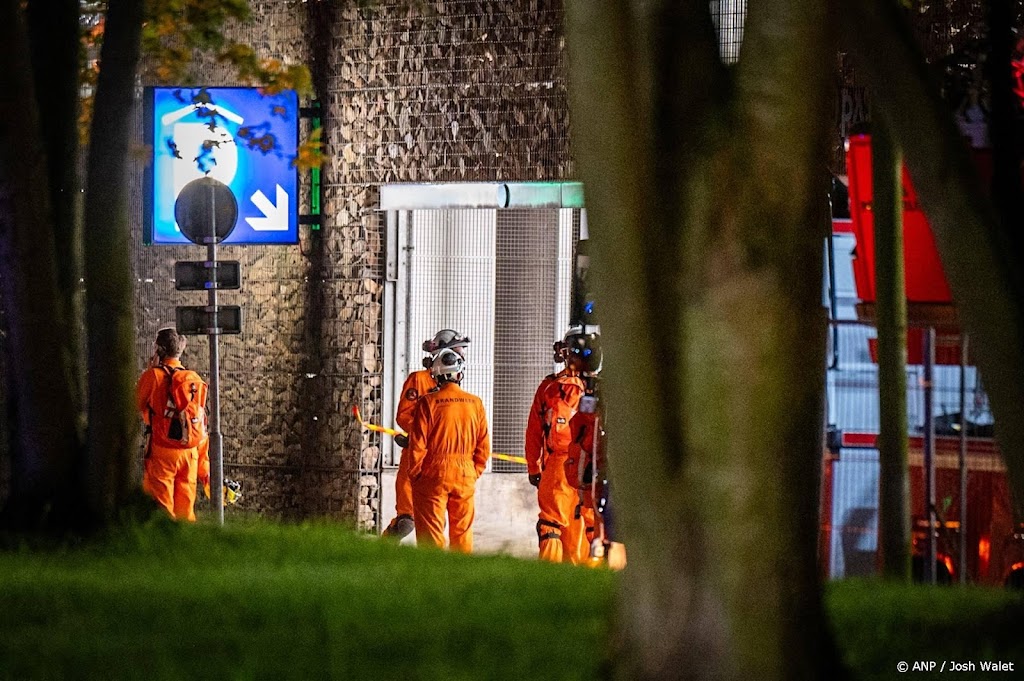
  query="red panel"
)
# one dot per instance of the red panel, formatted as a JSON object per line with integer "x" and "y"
{"x": 947, "y": 348}
{"x": 944, "y": 444}
{"x": 851, "y": 439}
{"x": 842, "y": 226}
{"x": 925, "y": 280}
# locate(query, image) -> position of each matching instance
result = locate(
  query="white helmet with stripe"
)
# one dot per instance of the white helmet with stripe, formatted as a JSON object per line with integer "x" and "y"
{"x": 448, "y": 365}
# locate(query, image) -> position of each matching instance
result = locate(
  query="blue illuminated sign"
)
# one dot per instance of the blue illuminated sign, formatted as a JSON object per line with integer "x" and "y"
{"x": 240, "y": 136}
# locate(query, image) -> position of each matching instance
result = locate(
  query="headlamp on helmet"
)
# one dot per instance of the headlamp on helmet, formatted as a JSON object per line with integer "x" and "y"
{"x": 558, "y": 348}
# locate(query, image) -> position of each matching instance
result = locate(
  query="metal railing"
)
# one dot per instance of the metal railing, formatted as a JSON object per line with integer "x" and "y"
{"x": 957, "y": 478}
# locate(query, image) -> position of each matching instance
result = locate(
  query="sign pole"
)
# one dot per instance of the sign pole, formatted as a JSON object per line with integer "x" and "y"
{"x": 196, "y": 214}
{"x": 216, "y": 452}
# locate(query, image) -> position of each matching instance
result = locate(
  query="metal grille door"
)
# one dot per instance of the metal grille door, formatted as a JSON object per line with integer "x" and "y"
{"x": 501, "y": 276}
{"x": 534, "y": 266}
{"x": 451, "y": 276}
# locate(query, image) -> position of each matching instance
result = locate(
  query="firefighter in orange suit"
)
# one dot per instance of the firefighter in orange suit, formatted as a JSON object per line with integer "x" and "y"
{"x": 417, "y": 384}
{"x": 586, "y": 465}
{"x": 448, "y": 450}
{"x": 171, "y": 475}
{"x": 547, "y": 445}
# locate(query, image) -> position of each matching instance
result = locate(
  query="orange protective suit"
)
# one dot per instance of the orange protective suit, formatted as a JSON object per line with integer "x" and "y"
{"x": 448, "y": 450}
{"x": 547, "y": 445}
{"x": 417, "y": 384}
{"x": 579, "y": 471}
{"x": 171, "y": 475}
{"x": 582, "y": 470}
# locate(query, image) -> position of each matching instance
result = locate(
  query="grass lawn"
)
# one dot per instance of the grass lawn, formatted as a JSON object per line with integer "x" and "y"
{"x": 285, "y": 601}
{"x": 264, "y": 600}
{"x": 879, "y": 625}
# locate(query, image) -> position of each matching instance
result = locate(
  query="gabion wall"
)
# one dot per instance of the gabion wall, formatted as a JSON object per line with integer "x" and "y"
{"x": 409, "y": 92}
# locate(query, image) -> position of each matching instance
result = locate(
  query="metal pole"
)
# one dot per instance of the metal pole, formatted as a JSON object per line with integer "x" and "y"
{"x": 213, "y": 333}
{"x": 929, "y": 455}
{"x": 891, "y": 306}
{"x": 833, "y": 300}
{"x": 962, "y": 557}
{"x": 825, "y": 460}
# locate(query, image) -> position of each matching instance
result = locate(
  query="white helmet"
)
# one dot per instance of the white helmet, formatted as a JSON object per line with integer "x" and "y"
{"x": 445, "y": 338}
{"x": 448, "y": 365}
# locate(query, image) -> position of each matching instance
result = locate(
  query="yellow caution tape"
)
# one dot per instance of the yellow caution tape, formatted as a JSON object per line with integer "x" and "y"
{"x": 392, "y": 431}
{"x": 508, "y": 457}
{"x": 374, "y": 426}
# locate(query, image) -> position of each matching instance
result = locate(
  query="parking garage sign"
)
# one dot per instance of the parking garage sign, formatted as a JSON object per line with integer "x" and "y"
{"x": 240, "y": 136}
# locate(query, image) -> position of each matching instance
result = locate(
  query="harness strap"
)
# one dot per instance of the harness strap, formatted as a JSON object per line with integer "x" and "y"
{"x": 554, "y": 533}
{"x": 169, "y": 406}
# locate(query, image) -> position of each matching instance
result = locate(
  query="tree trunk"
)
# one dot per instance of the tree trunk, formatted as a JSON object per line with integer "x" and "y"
{"x": 705, "y": 195}
{"x": 54, "y": 38}
{"x": 113, "y": 423}
{"x": 891, "y": 318}
{"x": 45, "y": 439}
{"x": 981, "y": 260}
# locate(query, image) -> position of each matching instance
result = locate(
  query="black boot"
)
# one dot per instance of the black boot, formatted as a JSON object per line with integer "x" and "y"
{"x": 400, "y": 528}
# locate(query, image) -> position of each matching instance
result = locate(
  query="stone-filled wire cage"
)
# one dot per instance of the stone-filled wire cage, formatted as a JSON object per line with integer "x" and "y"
{"x": 439, "y": 92}
{"x": 409, "y": 92}
{"x": 308, "y": 348}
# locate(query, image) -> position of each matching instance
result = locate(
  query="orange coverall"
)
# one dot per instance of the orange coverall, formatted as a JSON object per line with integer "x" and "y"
{"x": 171, "y": 474}
{"x": 581, "y": 454}
{"x": 417, "y": 384}
{"x": 448, "y": 450}
{"x": 577, "y": 463}
{"x": 547, "y": 445}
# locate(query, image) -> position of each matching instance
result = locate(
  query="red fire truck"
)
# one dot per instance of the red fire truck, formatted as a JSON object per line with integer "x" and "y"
{"x": 982, "y": 536}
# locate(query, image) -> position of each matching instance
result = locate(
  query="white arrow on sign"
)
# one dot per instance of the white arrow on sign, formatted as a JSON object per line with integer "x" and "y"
{"x": 275, "y": 216}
